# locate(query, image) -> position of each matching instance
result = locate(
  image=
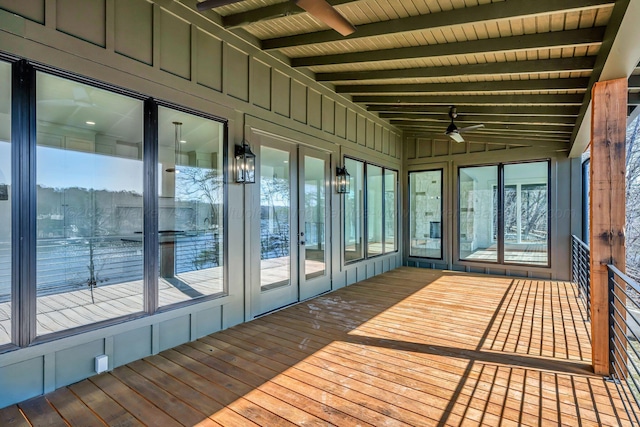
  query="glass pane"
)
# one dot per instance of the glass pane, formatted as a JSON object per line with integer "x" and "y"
{"x": 425, "y": 214}
{"x": 477, "y": 212}
{"x": 275, "y": 218}
{"x": 5, "y": 203}
{"x": 314, "y": 217}
{"x": 190, "y": 216}
{"x": 390, "y": 208}
{"x": 526, "y": 213}
{"x": 89, "y": 204}
{"x": 374, "y": 210}
{"x": 353, "y": 207}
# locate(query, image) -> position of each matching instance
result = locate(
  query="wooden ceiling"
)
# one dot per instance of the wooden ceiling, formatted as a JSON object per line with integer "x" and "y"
{"x": 522, "y": 68}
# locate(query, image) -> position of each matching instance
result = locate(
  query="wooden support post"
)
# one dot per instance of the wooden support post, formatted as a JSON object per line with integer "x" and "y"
{"x": 607, "y": 211}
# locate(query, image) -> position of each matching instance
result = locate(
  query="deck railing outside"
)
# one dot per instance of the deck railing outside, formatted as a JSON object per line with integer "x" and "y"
{"x": 580, "y": 270}
{"x": 624, "y": 320}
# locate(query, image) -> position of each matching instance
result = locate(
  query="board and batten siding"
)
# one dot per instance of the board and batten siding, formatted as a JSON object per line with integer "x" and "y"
{"x": 166, "y": 50}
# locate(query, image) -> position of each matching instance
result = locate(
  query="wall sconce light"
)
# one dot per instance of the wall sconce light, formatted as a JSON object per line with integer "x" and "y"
{"x": 245, "y": 164}
{"x": 343, "y": 180}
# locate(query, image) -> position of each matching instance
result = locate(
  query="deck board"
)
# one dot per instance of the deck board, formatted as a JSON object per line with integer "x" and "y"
{"x": 408, "y": 347}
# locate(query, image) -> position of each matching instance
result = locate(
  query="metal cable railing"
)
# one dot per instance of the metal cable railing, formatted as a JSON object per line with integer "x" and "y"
{"x": 580, "y": 270}
{"x": 624, "y": 341}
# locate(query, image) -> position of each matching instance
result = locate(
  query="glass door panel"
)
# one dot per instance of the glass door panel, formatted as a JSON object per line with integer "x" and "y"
{"x": 313, "y": 176}
{"x": 275, "y": 218}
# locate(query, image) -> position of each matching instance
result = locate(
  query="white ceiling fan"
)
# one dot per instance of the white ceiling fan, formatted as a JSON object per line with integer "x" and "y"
{"x": 452, "y": 130}
{"x": 320, "y": 9}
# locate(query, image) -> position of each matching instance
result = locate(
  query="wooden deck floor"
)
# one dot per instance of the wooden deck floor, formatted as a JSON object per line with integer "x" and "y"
{"x": 409, "y": 347}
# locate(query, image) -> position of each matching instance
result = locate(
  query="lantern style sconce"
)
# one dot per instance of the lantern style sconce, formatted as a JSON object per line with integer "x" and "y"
{"x": 343, "y": 180}
{"x": 245, "y": 164}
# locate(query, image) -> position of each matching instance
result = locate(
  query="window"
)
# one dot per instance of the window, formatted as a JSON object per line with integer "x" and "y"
{"x": 379, "y": 222}
{"x": 478, "y": 213}
{"x": 5, "y": 204}
{"x": 190, "y": 208}
{"x": 526, "y": 213}
{"x": 425, "y": 214}
{"x": 89, "y": 179}
{"x": 509, "y": 225}
{"x": 375, "y": 203}
{"x": 353, "y": 212}
{"x": 390, "y": 206}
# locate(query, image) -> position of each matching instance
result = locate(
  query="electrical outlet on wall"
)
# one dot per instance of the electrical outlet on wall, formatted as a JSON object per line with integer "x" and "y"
{"x": 102, "y": 363}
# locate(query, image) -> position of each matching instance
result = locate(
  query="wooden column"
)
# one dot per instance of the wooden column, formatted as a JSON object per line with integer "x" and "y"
{"x": 607, "y": 211}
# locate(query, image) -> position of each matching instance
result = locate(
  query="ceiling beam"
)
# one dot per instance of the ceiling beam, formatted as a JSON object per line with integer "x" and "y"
{"x": 556, "y": 39}
{"x": 477, "y": 118}
{"x": 510, "y": 140}
{"x": 577, "y": 64}
{"x": 491, "y": 127}
{"x": 470, "y": 99}
{"x": 494, "y": 137}
{"x": 272, "y": 11}
{"x": 511, "y": 110}
{"x": 492, "y": 86}
{"x": 466, "y": 15}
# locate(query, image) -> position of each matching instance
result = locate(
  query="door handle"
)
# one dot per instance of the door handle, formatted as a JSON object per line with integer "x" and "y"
{"x": 302, "y": 243}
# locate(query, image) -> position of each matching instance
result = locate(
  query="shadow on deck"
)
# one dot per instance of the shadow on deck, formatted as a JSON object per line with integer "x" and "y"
{"x": 409, "y": 347}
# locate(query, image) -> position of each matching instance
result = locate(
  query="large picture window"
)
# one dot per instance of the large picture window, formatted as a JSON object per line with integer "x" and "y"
{"x": 190, "y": 208}
{"x": 101, "y": 203}
{"x": 425, "y": 214}
{"x": 89, "y": 180}
{"x": 504, "y": 213}
{"x": 378, "y": 222}
{"x": 5, "y": 204}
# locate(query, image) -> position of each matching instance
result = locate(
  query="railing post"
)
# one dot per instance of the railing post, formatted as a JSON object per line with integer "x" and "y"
{"x": 612, "y": 325}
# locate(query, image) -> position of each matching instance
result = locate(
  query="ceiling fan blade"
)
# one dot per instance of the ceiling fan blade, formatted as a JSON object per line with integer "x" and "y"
{"x": 470, "y": 128}
{"x": 210, "y": 4}
{"x": 327, "y": 14}
{"x": 456, "y": 136}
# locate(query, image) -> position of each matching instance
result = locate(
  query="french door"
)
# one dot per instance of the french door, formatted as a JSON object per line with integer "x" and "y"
{"x": 289, "y": 238}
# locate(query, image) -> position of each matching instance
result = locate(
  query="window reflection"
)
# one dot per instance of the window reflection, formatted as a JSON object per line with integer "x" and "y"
{"x": 5, "y": 203}
{"x": 89, "y": 204}
{"x": 190, "y": 217}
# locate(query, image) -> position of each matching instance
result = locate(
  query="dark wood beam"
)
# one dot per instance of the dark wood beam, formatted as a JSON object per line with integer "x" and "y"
{"x": 556, "y": 39}
{"x": 492, "y": 127}
{"x": 470, "y": 99}
{"x": 272, "y": 11}
{"x": 510, "y": 110}
{"x": 492, "y": 86}
{"x": 584, "y": 63}
{"x": 607, "y": 209}
{"x": 482, "y": 13}
{"x": 468, "y": 119}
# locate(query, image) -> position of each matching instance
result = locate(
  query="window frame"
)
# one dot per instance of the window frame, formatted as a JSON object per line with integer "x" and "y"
{"x": 365, "y": 219}
{"x": 24, "y": 208}
{"x": 500, "y": 259}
